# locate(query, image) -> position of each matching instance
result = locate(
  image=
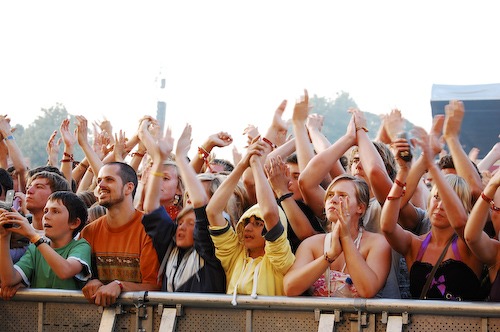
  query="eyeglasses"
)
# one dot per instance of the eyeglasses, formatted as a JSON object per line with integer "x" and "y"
{"x": 256, "y": 222}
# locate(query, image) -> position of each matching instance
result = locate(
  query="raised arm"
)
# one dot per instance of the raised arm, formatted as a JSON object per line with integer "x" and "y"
{"x": 278, "y": 175}
{"x": 304, "y": 148}
{"x": 193, "y": 186}
{"x": 220, "y": 139}
{"x": 455, "y": 211}
{"x": 398, "y": 238}
{"x": 159, "y": 152}
{"x": 222, "y": 195}
{"x": 486, "y": 249}
{"x": 319, "y": 167}
{"x": 106, "y": 129}
{"x": 265, "y": 195}
{"x": 53, "y": 149}
{"x": 276, "y": 133}
{"x": 490, "y": 159}
{"x": 15, "y": 153}
{"x": 373, "y": 165}
{"x": 419, "y": 166}
{"x": 393, "y": 124}
{"x": 81, "y": 133}
{"x": 69, "y": 141}
{"x": 454, "y": 114}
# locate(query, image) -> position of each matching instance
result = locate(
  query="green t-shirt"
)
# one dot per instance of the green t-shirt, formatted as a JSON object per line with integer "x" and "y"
{"x": 37, "y": 273}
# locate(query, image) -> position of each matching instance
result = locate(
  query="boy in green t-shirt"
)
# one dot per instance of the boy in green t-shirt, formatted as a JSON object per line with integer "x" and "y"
{"x": 54, "y": 261}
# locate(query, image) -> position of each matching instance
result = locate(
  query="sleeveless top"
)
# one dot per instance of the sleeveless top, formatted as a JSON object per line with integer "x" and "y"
{"x": 453, "y": 280}
{"x": 340, "y": 283}
{"x": 495, "y": 289}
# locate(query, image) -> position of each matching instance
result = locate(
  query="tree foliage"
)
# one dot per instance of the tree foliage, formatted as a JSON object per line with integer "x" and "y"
{"x": 336, "y": 116}
{"x": 33, "y": 140}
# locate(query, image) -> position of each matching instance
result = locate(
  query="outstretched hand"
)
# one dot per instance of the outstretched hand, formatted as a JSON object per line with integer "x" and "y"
{"x": 257, "y": 147}
{"x": 166, "y": 143}
{"x": 393, "y": 124}
{"x": 437, "y": 141}
{"x": 423, "y": 140}
{"x": 301, "y": 109}
{"x": 220, "y": 139}
{"x": 278, "y": 175}
{"x": 184, "y": 142}
{"x": 454, "y": 115}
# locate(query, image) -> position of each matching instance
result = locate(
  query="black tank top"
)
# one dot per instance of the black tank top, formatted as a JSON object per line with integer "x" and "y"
{"x": 495, "y": 289}
{"x": 454, "y": 280}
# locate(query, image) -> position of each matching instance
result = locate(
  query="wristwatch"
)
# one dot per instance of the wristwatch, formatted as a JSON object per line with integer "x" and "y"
{"x": 41, "y": 240}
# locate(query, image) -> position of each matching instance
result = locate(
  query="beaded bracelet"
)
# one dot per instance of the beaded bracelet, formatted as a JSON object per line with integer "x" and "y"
{"x": 402, "y": 185}
{"x": 203, "y": 153}
{"x": 137, "y": 154}
{"x": 328, "y": 259}
{"x": 69, "y": 156}
{"x": 490, "y": 202}
{"x": 273, "y": 146}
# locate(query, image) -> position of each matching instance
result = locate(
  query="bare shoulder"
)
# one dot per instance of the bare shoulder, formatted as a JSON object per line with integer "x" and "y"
{"x": 313, "y": 244}
{"x": 375, "y": 239}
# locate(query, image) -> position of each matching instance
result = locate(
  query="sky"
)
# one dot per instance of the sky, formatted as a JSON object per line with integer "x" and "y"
{"x": 228, "y": 64}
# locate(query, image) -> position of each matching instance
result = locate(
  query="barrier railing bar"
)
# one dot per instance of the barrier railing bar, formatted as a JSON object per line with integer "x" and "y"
{"x": 393, "y": 306}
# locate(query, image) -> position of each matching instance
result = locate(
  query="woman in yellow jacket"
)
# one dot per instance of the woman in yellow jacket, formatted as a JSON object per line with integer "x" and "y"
{"x": 257, "y": 254}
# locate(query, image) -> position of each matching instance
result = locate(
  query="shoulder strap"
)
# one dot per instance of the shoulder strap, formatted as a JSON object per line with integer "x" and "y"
{"x": 423, "y": 294}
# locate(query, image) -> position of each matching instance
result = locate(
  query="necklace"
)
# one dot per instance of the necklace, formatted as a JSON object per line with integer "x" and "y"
{"x": 173, "y": 211}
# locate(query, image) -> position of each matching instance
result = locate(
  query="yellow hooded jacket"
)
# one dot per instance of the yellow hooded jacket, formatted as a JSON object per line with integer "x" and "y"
{"x": 245, "y": 275}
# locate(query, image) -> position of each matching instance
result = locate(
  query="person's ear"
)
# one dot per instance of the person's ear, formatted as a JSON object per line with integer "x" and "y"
{"x": 361, "y": 209}
{"x": 75, "y": 223}
{"x": 129, "y": 188}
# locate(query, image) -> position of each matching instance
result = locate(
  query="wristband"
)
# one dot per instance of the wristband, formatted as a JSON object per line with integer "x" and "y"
{"x": 273, "y": 146}
{"x": 285, "y": 196}
{"x": 328, "y": 259}
{"x": 158, "y": 174}
{"x": 119, "y": 284}
{"x": 8, "y": 138}
{"x": 35, "y": 238}
{"x": 490, "y": 202}
{"x": 137, "y": 154}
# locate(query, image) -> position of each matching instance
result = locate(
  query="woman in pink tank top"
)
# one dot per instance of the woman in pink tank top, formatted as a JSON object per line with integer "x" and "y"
{"x": 349, "y": 261}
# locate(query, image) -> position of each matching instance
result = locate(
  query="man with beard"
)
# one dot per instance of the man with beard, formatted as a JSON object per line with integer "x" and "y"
{"x": 123, "y": 256}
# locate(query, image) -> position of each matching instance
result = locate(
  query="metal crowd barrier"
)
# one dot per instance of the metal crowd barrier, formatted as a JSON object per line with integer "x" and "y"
{"x": 57, "y": 310}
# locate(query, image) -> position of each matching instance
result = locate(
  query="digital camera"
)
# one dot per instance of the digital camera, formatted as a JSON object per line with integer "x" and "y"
{"x": 405, "y": 155}
{"x": 7, "y": 204}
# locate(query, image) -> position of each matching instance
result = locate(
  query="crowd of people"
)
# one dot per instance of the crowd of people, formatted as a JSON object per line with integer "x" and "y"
{"x": 291, "y": 215}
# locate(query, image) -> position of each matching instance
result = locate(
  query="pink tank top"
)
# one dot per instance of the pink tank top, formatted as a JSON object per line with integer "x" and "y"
{"x": 340, "y": 283}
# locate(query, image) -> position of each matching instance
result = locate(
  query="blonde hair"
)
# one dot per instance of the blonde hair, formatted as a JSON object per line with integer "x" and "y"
{"x": 237, "y": 204}
{"x": 461, "y": 188}
{"x": 361, "y": 188}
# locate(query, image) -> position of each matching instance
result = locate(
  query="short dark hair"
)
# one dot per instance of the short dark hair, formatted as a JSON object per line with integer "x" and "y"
{"x": 126, "y": 173}
{"x": 88, "y": 197}
{"x": 446, "y": 161}
{"x": 6, "y": 182}
{"x": 226, "y": 164}
{"x": 292, "y": 159}
{"x": 47, "y": 168}
{"x": 75, "y": 205}
{"x": 56, "y": 181}
{"x": 53, "y": 169}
